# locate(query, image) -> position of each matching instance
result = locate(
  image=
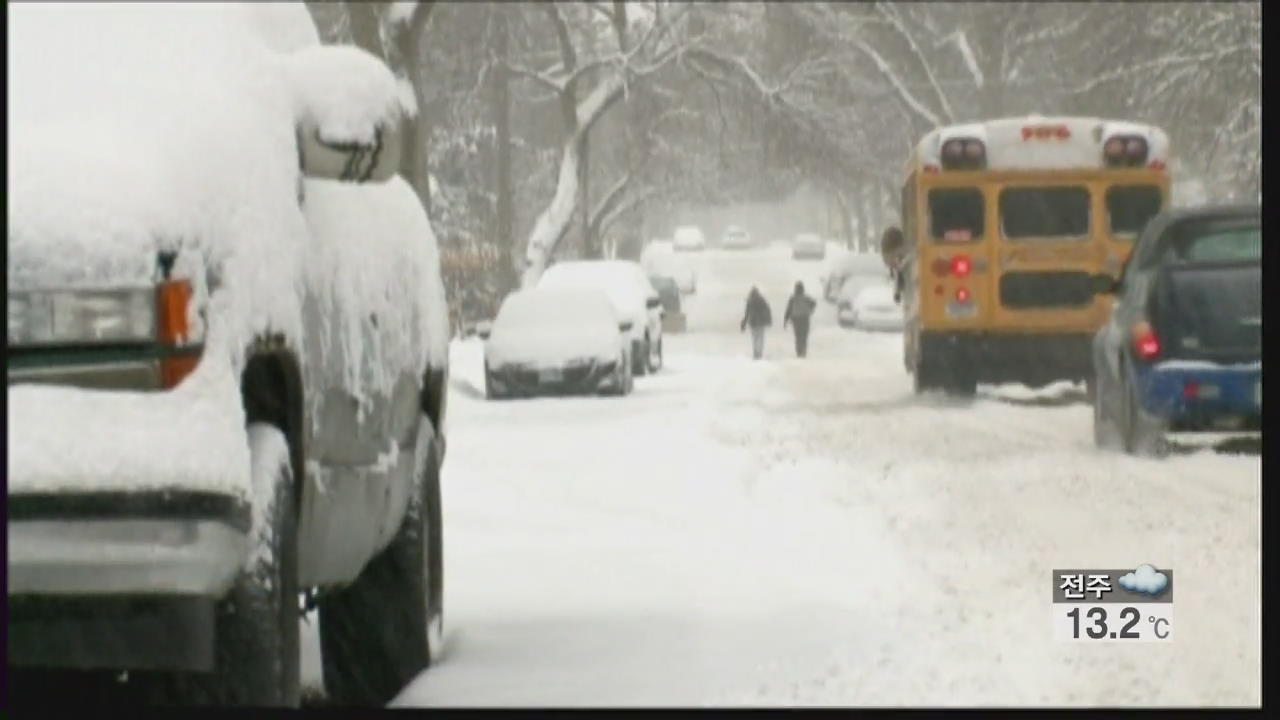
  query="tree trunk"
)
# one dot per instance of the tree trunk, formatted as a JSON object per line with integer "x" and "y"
{"x": 415, "y": 165}
{"x": 364, "y": 27}
{"x": 504, "y": 234}
{"x": 590, "y": 249}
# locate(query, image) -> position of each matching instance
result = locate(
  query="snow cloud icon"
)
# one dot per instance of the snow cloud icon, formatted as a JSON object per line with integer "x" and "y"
{"x": 1145, "y": 579}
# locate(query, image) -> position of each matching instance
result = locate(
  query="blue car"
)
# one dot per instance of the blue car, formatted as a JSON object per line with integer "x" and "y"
{"x": 1182, "y": 349}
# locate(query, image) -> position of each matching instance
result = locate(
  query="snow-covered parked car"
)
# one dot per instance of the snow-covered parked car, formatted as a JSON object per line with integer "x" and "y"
{"x": 227, "y": 358}
{"x": 557, "y": 341}
{"x": 872, "y": 308}
{"x": 736, "y": 238}
{"x": 808, "y": 246}
{"x": 689, "y": 237}
{"x": 844, "y": 265}
{"x": 660, "y": 260}
{"x": 634, "y": 298}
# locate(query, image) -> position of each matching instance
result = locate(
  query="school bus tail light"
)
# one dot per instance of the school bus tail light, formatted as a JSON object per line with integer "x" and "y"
{"x": 960, "y": 266}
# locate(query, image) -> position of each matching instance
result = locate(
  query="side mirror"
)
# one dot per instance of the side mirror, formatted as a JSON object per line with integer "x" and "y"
{"x": 484, "y": 329}
{"x": 653, "y": 302}
{"x": 1104, "y": 284}
{"x": 625, "y": 326}
{"x": 331, "y": 144}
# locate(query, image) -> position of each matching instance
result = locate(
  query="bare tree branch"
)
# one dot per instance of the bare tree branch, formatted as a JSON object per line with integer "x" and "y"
{"x": 605, "y": 203}
{"x": 568, "y": 56}
{"x": 547, "y": 80}
{"x": 1161, "y": 62}
{"x": 903, "y": 93}
{"x": 891, "y": 14}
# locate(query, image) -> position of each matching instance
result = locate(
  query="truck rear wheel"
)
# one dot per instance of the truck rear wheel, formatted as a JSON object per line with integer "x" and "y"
{"x": 378, "y": 633}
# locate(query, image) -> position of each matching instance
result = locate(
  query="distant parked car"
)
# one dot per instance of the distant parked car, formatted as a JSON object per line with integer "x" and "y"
{"x": 688, "y": 238}
{"x": 872, "y": 308}
{"x": 661, "y": 260}
{"x": 673, "y": 319}
{"x": 634, "y": 298}
{"x": 557, "y": 342}
{"x": 845, "y": 265}
{"x": 1182, "y": 350}
{"x": 808, "y": 246}
{"x": 736, "y": 238}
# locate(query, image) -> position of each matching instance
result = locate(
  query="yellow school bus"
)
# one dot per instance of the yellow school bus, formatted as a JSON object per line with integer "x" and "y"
{"x": 1006, "y": 223}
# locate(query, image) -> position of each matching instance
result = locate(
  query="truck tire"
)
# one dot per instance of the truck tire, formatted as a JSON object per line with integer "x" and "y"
{"x": 256, "y": 648}
{"x": 1142, "y": 434}
{"x": 378, "y": 633}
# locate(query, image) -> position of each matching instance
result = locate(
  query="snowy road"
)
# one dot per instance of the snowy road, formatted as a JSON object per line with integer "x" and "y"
{"x": 809, "y": 532}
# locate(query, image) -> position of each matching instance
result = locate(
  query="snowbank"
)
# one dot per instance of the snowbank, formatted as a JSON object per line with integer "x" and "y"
{"x": 550, "y": 327}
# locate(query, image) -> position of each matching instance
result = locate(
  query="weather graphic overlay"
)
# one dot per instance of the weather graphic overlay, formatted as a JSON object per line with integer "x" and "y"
{"x": 1124, "y": 605}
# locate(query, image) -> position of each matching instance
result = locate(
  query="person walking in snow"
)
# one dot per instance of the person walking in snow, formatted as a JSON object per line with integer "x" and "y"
{"x": 799, "y": 308}
{"x": 758, "y": 316}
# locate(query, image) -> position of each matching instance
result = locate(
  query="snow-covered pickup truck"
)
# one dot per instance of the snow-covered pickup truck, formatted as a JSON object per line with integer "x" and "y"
{"x": 227, "y": 358}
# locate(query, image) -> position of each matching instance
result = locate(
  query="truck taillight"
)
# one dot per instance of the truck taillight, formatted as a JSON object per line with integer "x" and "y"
{"x": 172, "y": 330}
{"x": 1145, "y": 343}
{"x": 172, "y": 299}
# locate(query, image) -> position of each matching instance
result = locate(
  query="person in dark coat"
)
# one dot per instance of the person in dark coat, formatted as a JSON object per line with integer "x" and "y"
{"x": 799, "y": 308}
{"x": 758, "y": 316}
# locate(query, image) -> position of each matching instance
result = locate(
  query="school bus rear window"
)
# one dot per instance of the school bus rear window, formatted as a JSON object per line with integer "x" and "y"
{"x": 1059, "y": 213}
{"x": 956, "y": 214}
{"x": 1129, "y": 207}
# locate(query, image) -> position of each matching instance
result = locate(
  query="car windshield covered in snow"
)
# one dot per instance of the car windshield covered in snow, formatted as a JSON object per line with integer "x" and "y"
{"x": 624, "y": 282}
{"x": 546, "y": 309}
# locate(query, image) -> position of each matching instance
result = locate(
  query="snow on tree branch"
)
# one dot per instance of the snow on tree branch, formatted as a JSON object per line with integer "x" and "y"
{"x": 891, "y": 14}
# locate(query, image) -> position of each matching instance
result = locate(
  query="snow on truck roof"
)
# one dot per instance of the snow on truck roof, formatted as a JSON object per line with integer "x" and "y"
{"x": 1035, "y": 142}
{"x": 135, "y": 127}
